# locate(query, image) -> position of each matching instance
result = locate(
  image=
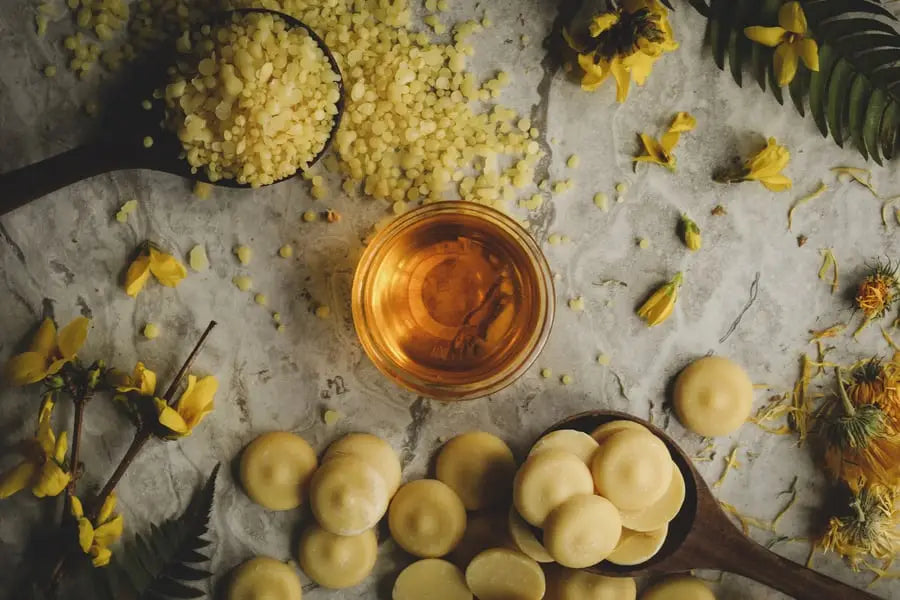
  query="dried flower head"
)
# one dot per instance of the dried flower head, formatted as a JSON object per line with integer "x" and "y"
{"x": 863, "y": 524}
{"x": 878, "y": 292}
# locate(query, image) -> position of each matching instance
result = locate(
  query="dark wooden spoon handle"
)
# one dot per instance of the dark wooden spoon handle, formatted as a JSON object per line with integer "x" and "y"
{"x": 21, "y": 186}
{"x": 744, "y": 557}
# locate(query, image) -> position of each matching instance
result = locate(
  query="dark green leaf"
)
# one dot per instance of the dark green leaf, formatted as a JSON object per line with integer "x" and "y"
{"x": 835, "y": 29}
{"x": 867, "y": 42}
{"x": 819, "y": 10}
{"x": 718, "y": 41}
{"x": 776, "y": 89}
{"x": 872, "y": 125}
{"x": 154, "y": 566}
{"x": 859, "y": 96}
{"x": 700, "y": 6}
{"x": 736, "y": 49}
{"x": 889, "y": 127}
{"x": 760, "y": 59}
{"x": 817, "y": 85}
{"x": 836, "y": 103}
{"x": 799, "y": 87}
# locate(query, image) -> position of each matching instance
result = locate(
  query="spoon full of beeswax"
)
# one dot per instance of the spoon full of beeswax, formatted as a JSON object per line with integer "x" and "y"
{"x": 245, "y": 102}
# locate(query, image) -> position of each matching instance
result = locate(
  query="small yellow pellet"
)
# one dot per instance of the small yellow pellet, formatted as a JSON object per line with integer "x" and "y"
{"x": 565, "y": 239}
{"x": 203, "y": 190}
{"x": 318, "y": 191}
{"x": 310, "y": 216}
{"x": 276, "y": 317}
{"x": 622, "y": 187}
{"x": 486, "y": 22}
{"x": 601, "y": 201}
{"x": 331, "y": 417}
{"x": 244, "y": 254}
{"x": 577, "y": 304}
{"x": 525, "y": 39}
{"x": 546, "y": 373}
{"x": 643, "y": 243}
{"x": 604, "y": 359}
{"x": 323, "y": 311}
{"x": 125, "y": 210}
{"x": 148, "y": 142}
{"x": 198, "y": 259}
{"x": 620, "y": 199}
{"x": 286, "y": 251}
{"x": 242, "y": 282}
{"x": 566, "y": 379}
{"x": 554, "y": 239}
{"x": 524, "y": 124}
{"x": 261, "y": 299}
{"x": 442, "y": 5}
{"x": 147, "y": 105}
{"x": 280, "y": 328}
{"x": 573, "y": 161}
{"x": 50, "y": 71}
{"x": 151, "y": 331}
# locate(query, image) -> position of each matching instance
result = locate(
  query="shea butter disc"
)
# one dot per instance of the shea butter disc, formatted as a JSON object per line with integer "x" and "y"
{"x": 374, "y": 450}
{"x": 525, "y": 539}
{"x": 607, "y": 429}
{"x": 427, "y": 518}
{"x": 577, "y": 442}
{"x": 264, "y": 577}
{"x": 483, "y": 530}
{"x": 431, "y": 579}
{"x": 337, "y": 561}
{"x": 636, "y": 547}
{"x": 576, "y": 584}
{"x": 582, "y": 531}
{"x": 681, "y": 587}
{"x": 348, "y": 496}
{"x": 660, "y": 512}
{"x": 276, "y": 469}
{"x": 501, "y": 574}
{"x": 713, "y": 396}
{"x": 633, "y": 469}
{"x": 546, "y": 480}
{"x": 479, "y": 467}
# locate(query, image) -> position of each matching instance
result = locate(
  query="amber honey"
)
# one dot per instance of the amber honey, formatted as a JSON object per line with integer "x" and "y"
{"x": 453, "y": 300}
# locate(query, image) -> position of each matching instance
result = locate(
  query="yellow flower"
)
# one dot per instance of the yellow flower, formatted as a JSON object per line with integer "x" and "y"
{"x": 624, "y": 44}
{"x": 659, "y": 306}
{"x": 192, "y": 407}
{"x": 48, "y": 352}
{"x": 165, "y": 267}
{"x": 43, "y": 468}
{"x": 660, "y": 152}
{"x": 142, "y": 380}
{"x": 95, "y": 538}
{"x": 878, "y": 292}
{"x": 765, "y": 167}
{"x": 790, "y": 41}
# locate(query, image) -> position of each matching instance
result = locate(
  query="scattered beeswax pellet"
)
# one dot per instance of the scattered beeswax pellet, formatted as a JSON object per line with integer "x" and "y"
{"x": 622, "y": 187}
{"x": 565, "y": 379}
{"x": 276, "y": 317}
{"x": 261, "y": 299}
{"x": 601, "y": 201}
{"x": 310, "y": 216}
{"x": 573, "y": 161}
{"x": 242, "y": 282}
{"x": 323, "y": 311}
{"x": 554, "y": 239}
{"x": 203, "y": 190}
{"x": 546, "y": 373}
{"x": 604, "y": 359}
{"x": 286, "y": 251}
{"x": 643, "y": 243}
{"x": 151, "y": 331}
{"x": 148, "y": 142}
{"x": 244, "y": 254}
{"x": 126, "y": 209}
{"x": 198, "y": 259}
{"x": 331, "y": 417}
{"x": 577, "y": 304}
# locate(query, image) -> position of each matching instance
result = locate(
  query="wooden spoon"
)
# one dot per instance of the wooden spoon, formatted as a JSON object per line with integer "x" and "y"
{"x": 703, "y": 537}
{"x": 119, "y": 143}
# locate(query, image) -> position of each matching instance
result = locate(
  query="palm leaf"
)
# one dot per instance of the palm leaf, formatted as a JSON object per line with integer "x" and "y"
{"x": 854, "y": 96}
{"x": 164, "y": 562}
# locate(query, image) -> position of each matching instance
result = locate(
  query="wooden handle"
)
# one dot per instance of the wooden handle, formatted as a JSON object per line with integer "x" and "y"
{"x": 20, "y": 187}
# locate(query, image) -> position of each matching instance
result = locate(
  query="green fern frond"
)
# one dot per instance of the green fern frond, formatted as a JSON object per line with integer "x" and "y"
{"x": 854, "y": 96}
{"x": 164, "y": 563}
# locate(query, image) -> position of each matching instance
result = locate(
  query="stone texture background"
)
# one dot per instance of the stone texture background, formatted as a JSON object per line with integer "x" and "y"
{"x": 65, "y": 255}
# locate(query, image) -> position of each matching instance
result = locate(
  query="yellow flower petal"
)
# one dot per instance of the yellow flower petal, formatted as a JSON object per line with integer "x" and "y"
{"x": 603, "y": 22}
{"x": 169, "y": 418}
{"x": 54, "y": 367}
{"x": 594, "y": 74}
{"x": 44, "y": 435}
{"x": 197, "y": 400}
{"x": 52, "y": 480}
{"x": 109, "y": 532}
{"x": 622, "y": 77}
{"x": 639, "y": 66}
{"x": 100, "y": 556}
{"x": 767, "y": 36}
{"x": 85, "y": 534}
{"x": 669, "y": 141}
{"x": 137, "y": 275}
{"x": 683, "y": 122}
{"x": 785, "y": 63}
{"x": 142, "y": 380}
{"x": 26, "y": 368}
{"x": 16, "y": 479}
{"x": 44, "y": 340}
{"x": 808, "y": 50}
{"x": 106, "y": 510}
{"x": 72, "y": 336}
{"x": 76, "y": 507}
{"x": 792, "y": 17}
{"x": 768, "y": 162}
{"x": 654, "y": 150}
{"x": 777, "y": 183}
{"x": 166, "y": 268}
{"x": 62, "y": 444}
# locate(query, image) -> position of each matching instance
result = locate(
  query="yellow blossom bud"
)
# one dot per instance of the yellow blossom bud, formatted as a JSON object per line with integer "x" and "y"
{"x": 660, "y": 304}
{"x": 690, "y": 233}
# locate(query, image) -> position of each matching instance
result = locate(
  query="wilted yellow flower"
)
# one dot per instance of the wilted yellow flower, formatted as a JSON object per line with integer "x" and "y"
{"x": 690, "y": 233}
{"x": 790, "y": 40}
{"x": 660, "y": 152}
{"x": 142, "y": 380}
{"x": 165, "y": 267}
{"x": 878, "y": 292}
{"x": 624, "y": 43}
{"x": 43, "y": 469}
{"x": 765, "y": 167}
{"x": 48, "y": 352}
{"x": 660, "y": 304}
{"x": 192, "y": 407}
{"x": 95, "y": 538}
{"x": 865, "y": 524}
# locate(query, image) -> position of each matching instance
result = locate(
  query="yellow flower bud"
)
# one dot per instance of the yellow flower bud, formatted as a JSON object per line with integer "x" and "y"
{"x": 660, "y": 304}
{"x": 690, "y": 233}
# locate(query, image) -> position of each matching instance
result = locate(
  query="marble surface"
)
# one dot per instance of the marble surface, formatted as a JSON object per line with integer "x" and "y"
{"x": 65, "y": 255}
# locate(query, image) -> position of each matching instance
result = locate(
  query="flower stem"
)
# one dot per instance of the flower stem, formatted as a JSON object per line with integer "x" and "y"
{"x": 845, "y": 399}
{"x": 80, "y": 403}
{"x": 170, "y": 392}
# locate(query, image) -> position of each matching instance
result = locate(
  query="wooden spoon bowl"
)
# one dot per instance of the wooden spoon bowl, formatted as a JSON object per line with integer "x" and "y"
{"x": 702, "y": 536}
{"x": 118, "y": 143}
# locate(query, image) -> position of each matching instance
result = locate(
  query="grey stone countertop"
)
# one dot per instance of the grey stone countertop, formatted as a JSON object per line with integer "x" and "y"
{"x": 65, "y": 255}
